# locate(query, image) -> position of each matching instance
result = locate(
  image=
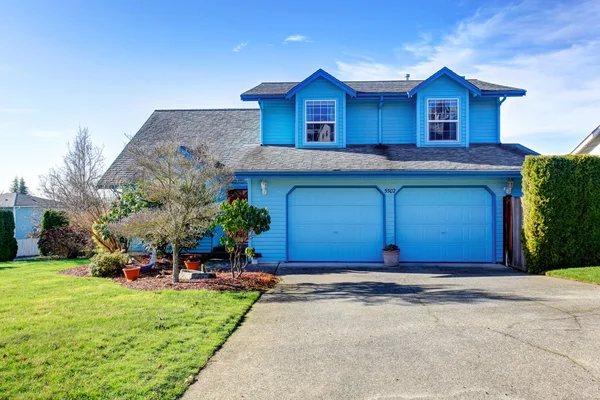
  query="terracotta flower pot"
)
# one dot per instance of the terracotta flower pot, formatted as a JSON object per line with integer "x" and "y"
{"x": 131, "y": 272}
{"x": 192, "y": 264}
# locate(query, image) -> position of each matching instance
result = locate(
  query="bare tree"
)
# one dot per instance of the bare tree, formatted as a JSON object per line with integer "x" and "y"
{"x": 185, "y": 184}
{"x": 74, "y": 186}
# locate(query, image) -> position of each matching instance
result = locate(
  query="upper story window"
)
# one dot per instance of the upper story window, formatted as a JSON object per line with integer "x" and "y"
{"x": 442, "y": 120}
{"x": 320, "y": 121}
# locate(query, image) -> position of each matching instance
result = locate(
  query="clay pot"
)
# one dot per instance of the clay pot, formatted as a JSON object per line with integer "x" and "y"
{"x": 192, "y": 265}
{"x": 131, "y": 272}
{"x": 391, "y": 258}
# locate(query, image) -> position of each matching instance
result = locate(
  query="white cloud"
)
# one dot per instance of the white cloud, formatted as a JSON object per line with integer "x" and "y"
{"x": 240, "y": 46}
{"x": 550, "y": 51}
{"x": 296, "y": 38}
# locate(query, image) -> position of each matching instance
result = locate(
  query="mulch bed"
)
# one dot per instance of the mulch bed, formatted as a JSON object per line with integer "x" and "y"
{"x": 158, "y": 279}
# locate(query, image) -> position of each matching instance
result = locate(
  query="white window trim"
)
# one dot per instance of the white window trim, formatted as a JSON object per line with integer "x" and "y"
{"x": 457, "y": 119}
{"x": 336, "y": 141}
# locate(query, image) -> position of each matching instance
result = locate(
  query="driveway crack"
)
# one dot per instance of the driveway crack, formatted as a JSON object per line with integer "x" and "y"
{"x": 424, "y": 304}
{"x": 556, "y": 353}
{"x": 575, "y": 317}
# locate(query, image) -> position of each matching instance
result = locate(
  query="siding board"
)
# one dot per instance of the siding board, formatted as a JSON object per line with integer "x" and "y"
{"x": 483, "y": 116}
{"x": 278, "y": 122}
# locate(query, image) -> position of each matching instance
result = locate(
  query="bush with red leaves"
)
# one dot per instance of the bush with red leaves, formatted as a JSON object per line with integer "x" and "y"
{"x": 65, "y": 242}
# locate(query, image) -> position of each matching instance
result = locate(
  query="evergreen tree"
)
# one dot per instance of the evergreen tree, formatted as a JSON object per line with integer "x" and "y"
{"x": 22, "y": 187}
{"x": 14, "y": 187}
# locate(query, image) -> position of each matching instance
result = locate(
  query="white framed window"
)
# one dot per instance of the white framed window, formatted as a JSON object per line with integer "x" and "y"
{"x": 320, "y": 122}
{"x": 442, "y": 120}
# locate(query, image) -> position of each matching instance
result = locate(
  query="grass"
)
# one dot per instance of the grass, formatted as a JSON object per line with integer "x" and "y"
{"x": 70, "y": 337}
{"x": 586, "y": 274}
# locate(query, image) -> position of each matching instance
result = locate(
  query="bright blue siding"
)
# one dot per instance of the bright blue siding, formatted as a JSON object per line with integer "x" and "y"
{"x": 443, "y": 87}
{"x": 27, "y": 221}
{"x": 335, "y": 224}
{"x": 277, "y": 123}
{"x": 441, "y": 224}
{"x": 483, "y": 120}
{"x": 398, "y": 121}
{"x": 321, "y": 89}
{"x": 362, "y": 121}
{"x": 272, "y": 244}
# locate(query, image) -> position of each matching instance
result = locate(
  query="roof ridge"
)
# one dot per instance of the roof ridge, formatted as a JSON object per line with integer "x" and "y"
{"x": 206, "y": 109}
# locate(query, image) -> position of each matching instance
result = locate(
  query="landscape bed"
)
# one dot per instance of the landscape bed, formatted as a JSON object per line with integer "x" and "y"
{"x": 72, "y": 337}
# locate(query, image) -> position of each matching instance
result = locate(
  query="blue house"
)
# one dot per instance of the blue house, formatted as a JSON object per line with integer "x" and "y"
{"x": 348, "y": 167}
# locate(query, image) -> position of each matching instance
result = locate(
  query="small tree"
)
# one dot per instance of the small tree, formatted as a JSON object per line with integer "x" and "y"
{"x": 14, "y": 186}
{"x": 74, "y": 186}
{"x": 240, "y": 223}
{"x": 53, "y": 219}
{"x": 184, "y": 183}
{"x": 131, "y": 200}
{"x": 23, "y": 189}
{"x": 8, "y": 243}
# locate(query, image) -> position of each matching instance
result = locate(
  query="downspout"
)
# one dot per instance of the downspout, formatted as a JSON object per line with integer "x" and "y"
{"x": 380, "y": 125}
{"x": 261, "y": 121}
{"x": 498, "y": 116}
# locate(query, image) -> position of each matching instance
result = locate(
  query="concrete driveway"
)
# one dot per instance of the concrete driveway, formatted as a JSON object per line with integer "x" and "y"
{"x": 425, "y": 332}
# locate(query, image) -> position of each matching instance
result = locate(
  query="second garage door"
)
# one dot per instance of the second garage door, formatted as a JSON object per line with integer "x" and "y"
{"x": 335, "y": 224}
{"x": 444, "y": 224}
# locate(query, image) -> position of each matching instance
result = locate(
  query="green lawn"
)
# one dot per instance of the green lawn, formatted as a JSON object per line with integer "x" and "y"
{"x": 68, "y": 337}
{"x": 587, "y": 274}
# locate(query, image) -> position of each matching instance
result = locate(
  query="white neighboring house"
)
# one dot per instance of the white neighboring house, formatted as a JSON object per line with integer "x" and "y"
{"x": 589, "y": 145}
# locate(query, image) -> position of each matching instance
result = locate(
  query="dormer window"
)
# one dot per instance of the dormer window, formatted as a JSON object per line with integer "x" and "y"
{"x": 320, "y": 121}
{"x": 442, "y": 120}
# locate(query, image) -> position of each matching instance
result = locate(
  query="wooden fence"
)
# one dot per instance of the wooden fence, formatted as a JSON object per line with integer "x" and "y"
{"x": 27, "y": 247}
{"x": 513, "y": 223}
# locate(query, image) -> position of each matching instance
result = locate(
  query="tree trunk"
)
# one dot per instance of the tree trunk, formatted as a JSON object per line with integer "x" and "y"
{"x": 175, "y": 249}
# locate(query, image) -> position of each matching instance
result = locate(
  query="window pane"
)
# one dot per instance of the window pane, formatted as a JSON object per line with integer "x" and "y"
{"x": 320, "y": 133}
{"x": 443, "y": 131}
{"x": 442, "y": 110}
{"x": 320, "y": 111}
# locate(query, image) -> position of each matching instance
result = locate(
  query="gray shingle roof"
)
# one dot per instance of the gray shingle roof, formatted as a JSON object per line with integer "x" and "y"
{"x": 477, "y": 157}
{"x": 227, "y": 131}
{"x": 234, "y": 135}
{"x": 377, "y": 87}
{"x": 24, "y": 200}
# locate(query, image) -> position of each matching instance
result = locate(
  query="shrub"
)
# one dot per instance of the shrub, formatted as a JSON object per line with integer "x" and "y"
{"x": 561, "y": 204}
{"x": 65, "y": 242}
{"x": 54, "y": 219}
{"x": 104, "y": 265}
{"x": 8, "y": 243}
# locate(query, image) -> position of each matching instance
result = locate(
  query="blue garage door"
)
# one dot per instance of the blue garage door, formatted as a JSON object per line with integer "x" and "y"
{"x": 444, "y": 224}
{"x": 335, "y": 224}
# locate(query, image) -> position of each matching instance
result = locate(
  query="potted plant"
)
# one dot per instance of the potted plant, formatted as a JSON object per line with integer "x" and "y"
{"x": 131, "y": 272}
{"x": 192, "y": 263}
{"x": 391, "y": 255}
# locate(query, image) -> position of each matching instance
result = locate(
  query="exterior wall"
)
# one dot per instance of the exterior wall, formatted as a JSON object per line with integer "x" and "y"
{"x": 277, "y": 121}
{"x": 321, "y": 89}
{"x": 27, "y": 221}
{"x": 398, "y": 121}
{"x": 272, "y": 244}
{"x": 362, "y": 121}
{"x": 443, "y": 88}
{"x": 483, "y": 120}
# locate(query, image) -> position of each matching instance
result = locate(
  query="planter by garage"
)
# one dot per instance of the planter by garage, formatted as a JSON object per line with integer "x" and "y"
{"x": 391, "y": 255}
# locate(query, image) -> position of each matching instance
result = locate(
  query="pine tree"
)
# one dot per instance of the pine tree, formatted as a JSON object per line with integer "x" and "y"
{"x": 14, "y": 187}
{"x": 22, "y": 187}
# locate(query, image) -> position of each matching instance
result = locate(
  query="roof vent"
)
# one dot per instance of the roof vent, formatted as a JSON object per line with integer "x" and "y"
{"x": 407, "y": 76}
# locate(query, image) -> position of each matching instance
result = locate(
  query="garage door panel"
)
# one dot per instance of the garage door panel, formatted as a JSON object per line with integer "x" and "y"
{"x": 335, "y": 224}
{"x": 444, "y": 224}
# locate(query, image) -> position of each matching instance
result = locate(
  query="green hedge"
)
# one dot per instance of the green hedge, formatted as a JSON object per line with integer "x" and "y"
{"x": 54, "y": 219}
{"x": 561, "y": 204}
{"x": 8, "y": 243}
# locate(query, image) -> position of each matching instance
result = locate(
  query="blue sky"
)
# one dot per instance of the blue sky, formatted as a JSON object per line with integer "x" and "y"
{"x": 107, "y": 65}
